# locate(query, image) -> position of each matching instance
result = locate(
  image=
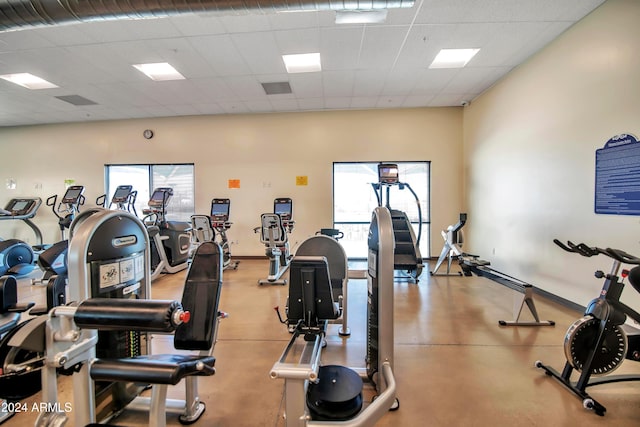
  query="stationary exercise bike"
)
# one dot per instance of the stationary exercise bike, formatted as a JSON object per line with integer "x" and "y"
{"x": 171, "y": 239}
{"x": 274, "y": 235}
{"x": 597, "y": 343}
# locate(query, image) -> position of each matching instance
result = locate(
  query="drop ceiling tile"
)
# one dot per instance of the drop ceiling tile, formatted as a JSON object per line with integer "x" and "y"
{"x": 298, "y": 41}
{"x": 221, "y": 54}
{"x": 340, "y": 47}
{"x": 284, "y": 104}
{"x": 260, "y": 52}
{"x": 337, "y": 83}
{"x": 311, "y": 104}
{"x": 306, "y": 85}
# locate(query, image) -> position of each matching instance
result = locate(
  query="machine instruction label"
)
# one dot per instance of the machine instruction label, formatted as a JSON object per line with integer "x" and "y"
{"x": 617, "y": 190}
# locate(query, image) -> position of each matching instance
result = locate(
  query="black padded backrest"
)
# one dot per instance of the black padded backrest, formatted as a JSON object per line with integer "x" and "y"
{"x": 200, "y": 297}
{"x": 310, "y": 295}
{"x": 8, "y": 293}
{"x": 333, "y": 251}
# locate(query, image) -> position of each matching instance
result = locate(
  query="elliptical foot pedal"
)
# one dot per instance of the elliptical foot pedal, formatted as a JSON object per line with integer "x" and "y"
{"x": 337, "y": 395}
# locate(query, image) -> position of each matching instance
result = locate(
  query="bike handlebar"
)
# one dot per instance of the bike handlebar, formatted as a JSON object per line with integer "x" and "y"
{"x": 588, "y": 251}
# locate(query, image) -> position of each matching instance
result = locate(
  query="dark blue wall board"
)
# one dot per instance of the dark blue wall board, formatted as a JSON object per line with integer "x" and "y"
{"x": 618, "y": 176}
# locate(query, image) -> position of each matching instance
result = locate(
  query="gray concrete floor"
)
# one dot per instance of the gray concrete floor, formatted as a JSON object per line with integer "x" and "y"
{"x": 454, "y": 365}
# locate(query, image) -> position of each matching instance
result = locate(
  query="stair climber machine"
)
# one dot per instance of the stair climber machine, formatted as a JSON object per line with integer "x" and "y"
{"x": 53, "y": 260}
{"x": 103, "y": 338}
{"x": 326, "y": 395}
{"x": 274, "y": 233}
{"x": 170, "y": 240}
{"x": 407, "y": 257}
{"x": 17, "y": 258}
{"x": 452, "y": 248}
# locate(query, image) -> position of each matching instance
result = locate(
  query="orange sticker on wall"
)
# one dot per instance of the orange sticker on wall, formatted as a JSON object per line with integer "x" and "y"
{"x": 234, "y": 183}
{"x": 302, "y": 180}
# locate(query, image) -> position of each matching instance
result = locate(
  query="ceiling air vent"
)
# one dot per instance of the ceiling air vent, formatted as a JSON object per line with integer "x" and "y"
{"x": 76, "y": 100}
{"x": 277, "y": 88}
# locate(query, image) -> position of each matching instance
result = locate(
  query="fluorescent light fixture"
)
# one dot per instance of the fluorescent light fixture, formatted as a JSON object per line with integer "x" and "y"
{"x": 28, "y": 80}
{"x": 453, "y": 58}
{"x": 302, "y": 63}
{"x": 160, "y": 71}
{"x": 377, "y": 16}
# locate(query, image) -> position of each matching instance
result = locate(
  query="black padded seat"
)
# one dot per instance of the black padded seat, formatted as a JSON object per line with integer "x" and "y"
{"x": 154, "y": 369}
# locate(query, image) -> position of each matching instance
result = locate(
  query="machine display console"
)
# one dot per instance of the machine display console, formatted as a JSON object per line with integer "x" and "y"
{"x": 220, "y": 209}
{"x": 160, "y": 197}
{"x": 20, "y": 207}
{"x": 72, "y": 195}
{"x": 283, "y": 207}
{"x": 121, "y": 194}
{"x": 388, "y": 173}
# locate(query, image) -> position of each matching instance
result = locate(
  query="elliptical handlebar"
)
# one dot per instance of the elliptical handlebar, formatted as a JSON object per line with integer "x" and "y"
{"x": 588, "y": 251}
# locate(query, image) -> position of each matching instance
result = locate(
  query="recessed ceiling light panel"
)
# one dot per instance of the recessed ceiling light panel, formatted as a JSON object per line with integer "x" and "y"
{"x": 302, "y": 63}
{"x": 160, "y": 71}
{"x": 28, "y": 80}
{"x": 374, "y": 16}
{"x": 453, "y": 58}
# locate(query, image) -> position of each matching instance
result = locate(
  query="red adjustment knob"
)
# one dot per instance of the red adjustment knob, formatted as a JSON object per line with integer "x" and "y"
{"x": 185, "y": 316}
{"x": 625, "y": 273}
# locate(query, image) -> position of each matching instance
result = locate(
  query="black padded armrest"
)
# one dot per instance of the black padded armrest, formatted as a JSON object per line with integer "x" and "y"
{"x": 154, "y": 369}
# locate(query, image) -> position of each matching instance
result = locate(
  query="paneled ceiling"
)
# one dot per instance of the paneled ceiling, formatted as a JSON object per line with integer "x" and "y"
{"x": 226, "y": 57}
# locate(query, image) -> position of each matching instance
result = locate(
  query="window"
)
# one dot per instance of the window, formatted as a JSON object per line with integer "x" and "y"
{"x": 145, "y": 178}
{"x": 354, "y": 199}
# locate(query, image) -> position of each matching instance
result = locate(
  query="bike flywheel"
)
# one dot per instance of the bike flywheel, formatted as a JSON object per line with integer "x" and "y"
{"x": 581, "y": 339}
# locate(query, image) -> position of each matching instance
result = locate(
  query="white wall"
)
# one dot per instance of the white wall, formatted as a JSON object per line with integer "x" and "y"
{"x": 265, "y": 152}
{"x": 529, "y": 149}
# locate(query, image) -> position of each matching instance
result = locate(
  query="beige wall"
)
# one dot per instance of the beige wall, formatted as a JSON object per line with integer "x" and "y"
{"x": 529, "y": 154}
{"x": 266, "y": 152}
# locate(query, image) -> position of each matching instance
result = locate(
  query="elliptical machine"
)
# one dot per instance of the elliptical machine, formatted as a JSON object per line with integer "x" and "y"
{"x": 171, "y": 239}
{"x": 407, "y": 257}
{"x": 124, "y": 199}
{"x": 274, "y": 235}
{"x": 53, "y": 260}
{"x": 596, "y": 344}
